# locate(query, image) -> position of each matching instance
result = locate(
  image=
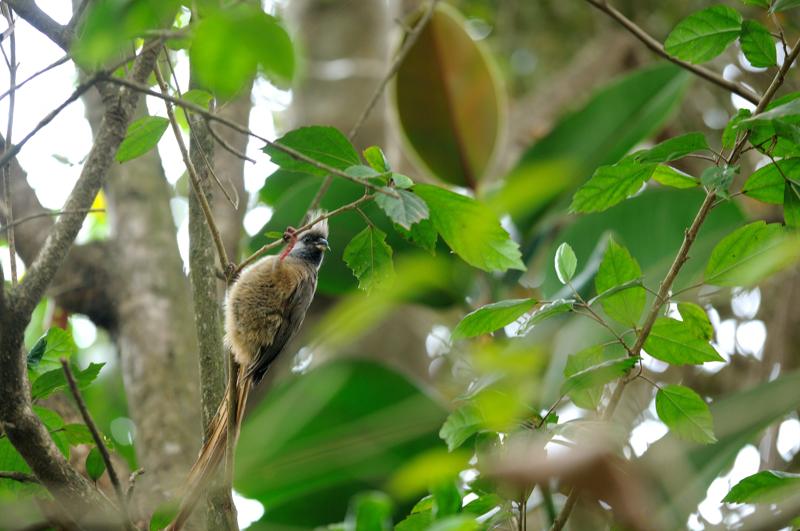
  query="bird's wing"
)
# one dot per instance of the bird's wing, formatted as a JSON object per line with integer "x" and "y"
{"x": 292, "y": 313}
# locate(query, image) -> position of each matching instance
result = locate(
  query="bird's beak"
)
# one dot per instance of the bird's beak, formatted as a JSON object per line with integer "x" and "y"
{"x": 323, "y": 244}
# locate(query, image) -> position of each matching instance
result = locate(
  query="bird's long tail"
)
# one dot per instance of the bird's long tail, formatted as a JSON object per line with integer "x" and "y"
{"x": 213, "y": 451}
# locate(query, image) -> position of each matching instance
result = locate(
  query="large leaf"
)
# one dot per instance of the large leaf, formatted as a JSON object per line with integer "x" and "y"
{"x": 673, "y": 148}
{"x": 750, "y": 254}
{"x": 589, "y": 396}
{"x": 321, "y": 143}
{"x": 685, "y": 413}
{"x": 696, "y": 318}
{"x": 611, "y": 123}
{"x": 470, "y": 229}
{"x": 758, "y": 45}
{"x": 55, "y": 380}
{"x": 317, "y": 437}
{"x": 142, "y": 136}
{"x": 370, "y": 258}
{"x": 704, "y": 35}
{"x": 617, "y": 268}
{"x": 230, "y": 44}
{"x": 448, "y": 100}
{"x": 766, "y": 184}
{"x": 461, "y": 424}
{"x": 676, "y": 342}
{"x": 491, "y": 317}
{"x": 46, "y": 354}
{"x": 611, "y": 184}
{"x": 767, "y": 486}
{"x": 406, "y": 209}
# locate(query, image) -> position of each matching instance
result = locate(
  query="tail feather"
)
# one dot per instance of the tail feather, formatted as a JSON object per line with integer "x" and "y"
{"x": 213, "y": 451}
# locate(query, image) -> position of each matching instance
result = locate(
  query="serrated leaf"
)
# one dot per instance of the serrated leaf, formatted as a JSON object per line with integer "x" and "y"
{"x": 377, "y": 159}
{"x": 370, "y": 258}
{"x": 470, "y": 229}
{"x": 598, "y": 375}
{"x": 669, "y": 176}
{"x": 750, "y": 254}
{"x": 758, "y": 45}
{"x": 142, "y": 136}
{"x": 460, "y": 425}
{"x": 704, "y": 35}
{"x": 406, "y": 209}
{"x": 491, "y": 317}
{"x": 421, "y": 234}
{"x": 675, "y": 342}
{"x": 588, "y": 398}
{"x": 95, "y": 466}
{"x": 791, "y": 205}
{"x": 696, "y": 318}
{"x": 732, "y": 128}
{"x": 323, "y": 144}
{"x": 673, "y": 148}
{"x": 565, "y": 263}
{"x": 611, "y": 184}
{"x": 767, "y": 486}
{"x": 55, "y": 380}
{"x": 767, "y": 184}
{"x": 719, "y": 179}
{"x": 685, "y": 413}
{"x": 617, "y": 268}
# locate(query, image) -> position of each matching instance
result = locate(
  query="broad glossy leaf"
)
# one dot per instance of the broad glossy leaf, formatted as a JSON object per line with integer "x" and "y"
{"x": 332, "y": 443}
{"x": 370, "y": 258}
{"x": 491, "y": 317}
{"x": 460, "y": 425}
{"x": 449, "y": 101}
{"x": 230, "y": 44}
{"x": 617, "y": 268}
{"x": 767, "y": 183}
{"x": 758, "y": 45}
{"x": 142, "y": 136}
{"x": 565, "y": 263}
{"x": 406, "y": 209}
{"x": 321, "y": 143}
{"x": 704, "y": 35}
{"x": 676, "y": 343}
{"x": 470, "y": 229}
{"x": 95, "y": 466}
{"x": 611, "y": 184}
{"x": 598, "y": 375}
{"x": 696, "y": 318}
{"x": 767, "y": 486}
{"x": 669, "y": 176}
{"x": 750, "y": 254}
{"x": 685, "y": 413}
{"x": 673, "y": 148}
{"x": 791, "y": 205}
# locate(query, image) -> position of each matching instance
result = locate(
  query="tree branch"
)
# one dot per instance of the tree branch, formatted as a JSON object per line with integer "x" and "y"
{"x": 33, "y": 76}
{"x": 6, "y": 170}
{"x": 30, "y": 12}
{"x": 658, "y": 48}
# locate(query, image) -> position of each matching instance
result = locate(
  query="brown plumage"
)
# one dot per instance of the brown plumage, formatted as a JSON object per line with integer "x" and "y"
{"x": 263, "y": 311}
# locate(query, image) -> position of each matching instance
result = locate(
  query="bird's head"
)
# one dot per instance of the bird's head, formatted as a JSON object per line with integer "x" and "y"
{"x": 312, "y": 244}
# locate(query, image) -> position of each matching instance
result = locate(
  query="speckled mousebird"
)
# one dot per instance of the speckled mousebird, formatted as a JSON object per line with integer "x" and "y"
{"x": 263, "y": 311}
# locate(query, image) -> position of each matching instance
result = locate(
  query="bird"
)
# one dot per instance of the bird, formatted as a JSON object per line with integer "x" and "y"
{"x": 264, "y": 309}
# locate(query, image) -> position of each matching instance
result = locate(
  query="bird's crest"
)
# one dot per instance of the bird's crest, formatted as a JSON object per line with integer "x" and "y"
{"x": 321, "y": 227}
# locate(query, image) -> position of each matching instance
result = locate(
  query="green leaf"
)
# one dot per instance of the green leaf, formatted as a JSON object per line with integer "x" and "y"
{"x": 456, "y": 523}
{"x": 470, "y": 229}
{"x": 685, "y": 413}
{"x": 460, "y": 425}
{"x": 36, "y": 353}
{"x": 95, "y": 466}
{"x": 611, "y": 184}
{"x": 588, "y": 398}
{"x": 757, "y": 3}
{"x": 405, "y": 210}
{"x": 163, "y": 515}
{"x": 370, "y": 258}
{"x": 422, "y": 234}
{"x": 719, "y": 179}
{"x": 669, "y": 176}
{"x": 372, "y": 511}
{"x": 776, "y": 112}
{"x": 617, "y": 268}
{"x": 768, "y": 183}
{"x": 732, "y": 128}
{"x": 566, "y": 263}
{"x": 676, "y": 343}
{"x": 791, "y": 205}
{"x": 696, "y": 318}
{"x": 323, "y": 144}
{"x": 78, "y": 434}
{"x": 446, "y": 498}
{"x": 55, "y": 380}
{"x": 767, "y": 486}
{"x": 483, "y": 504}
{"x": 449, "y": 100}
{"x": 57, "y": 343}
{"x": 704, "y": 35}
{"x": 784, "y": 5}
{"x": 402, "y": 181}
{"x": 758, "y": 45}
{"x": 598, "y": 375}
{"x": 750, "y": 254}
{"x": 377, "y": 159}
{"x": 199, "y": 97}
{"x": 491, "y": 317}
{"x": 142, "y": 136}
{"x": 673, "y": 149}
{"x": 419, "y": 521}
{"x": 546, "y": 311}
{"x": 230, "y": 44}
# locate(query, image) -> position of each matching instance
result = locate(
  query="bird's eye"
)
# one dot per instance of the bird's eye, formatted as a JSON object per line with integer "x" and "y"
{"x": 307, "y": 239}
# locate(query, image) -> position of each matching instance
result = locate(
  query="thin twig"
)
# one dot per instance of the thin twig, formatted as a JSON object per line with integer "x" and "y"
{"x": 48, "y": 214}
{"x": 98, "y": 440}
{"x": 21, "y": 477}
{"x": 33, "y": 76}
{"x": 6, "y": 169}
{"x": 132, "y": 482}
{"x": 226, "y": 145}
{"x": 227, "y": 266}
{"x": 349, "y": 206}
{"x": 658, "y": 48}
